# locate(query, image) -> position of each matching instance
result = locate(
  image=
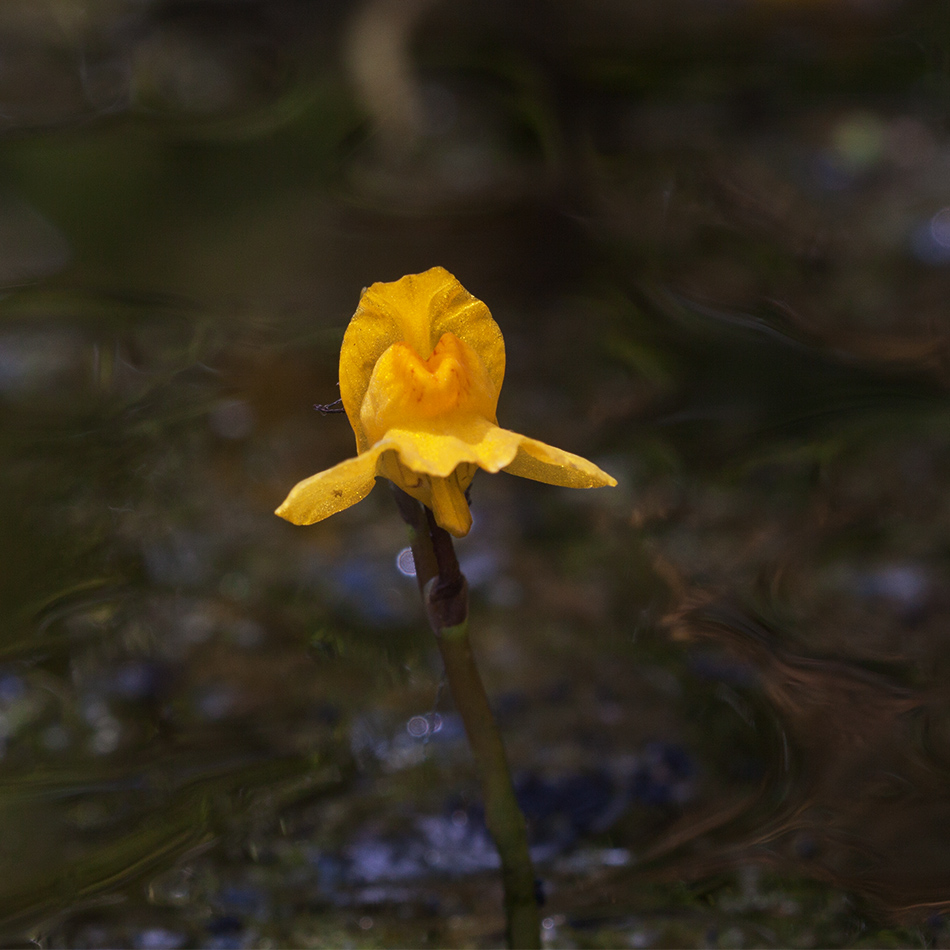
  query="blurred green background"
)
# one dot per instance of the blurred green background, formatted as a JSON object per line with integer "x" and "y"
{"x": 716, "y": 236}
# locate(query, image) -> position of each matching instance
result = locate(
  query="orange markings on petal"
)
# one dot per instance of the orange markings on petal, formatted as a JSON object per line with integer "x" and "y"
{"x": 408, "y": 392}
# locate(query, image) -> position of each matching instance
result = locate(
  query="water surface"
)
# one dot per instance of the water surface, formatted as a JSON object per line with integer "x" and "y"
{"x": 716, "y": 239}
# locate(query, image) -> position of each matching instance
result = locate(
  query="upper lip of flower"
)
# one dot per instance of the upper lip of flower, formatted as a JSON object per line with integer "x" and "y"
{"x": 417, "y": 311}
{"x": 421, "y": 369}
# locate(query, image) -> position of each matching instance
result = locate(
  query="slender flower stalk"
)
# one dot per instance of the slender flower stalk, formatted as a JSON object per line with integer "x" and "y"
{"x": 445, "y": 594}
{"x": 421, "y": 370}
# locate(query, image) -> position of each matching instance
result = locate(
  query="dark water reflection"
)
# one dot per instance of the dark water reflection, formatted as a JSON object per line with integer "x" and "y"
{"x": 853, "y": 774}
{"x": 715, "y": 239}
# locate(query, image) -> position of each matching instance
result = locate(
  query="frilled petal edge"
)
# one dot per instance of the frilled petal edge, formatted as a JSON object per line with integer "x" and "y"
{"x": 328, "y": 492}
{"x": 439, "y": 454}
{"x": 544, "y": 463}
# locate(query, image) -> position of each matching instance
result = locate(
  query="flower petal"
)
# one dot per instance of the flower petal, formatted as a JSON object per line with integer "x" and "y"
{"x": 437, "y": 453}
{"x": 471, "y": 321}
{"x": 442, "y": 393}
{"x": 328, "y": 492}
{"x": 417, "y": 310}
{"x": 544, "y": 463}
{"x": 445, "y": 496}
{"x": 450, "y": 506}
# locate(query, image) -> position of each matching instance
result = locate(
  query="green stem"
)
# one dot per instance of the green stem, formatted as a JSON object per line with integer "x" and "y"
{"x": 445, "y": 594}
{"x": 502, "y": 813}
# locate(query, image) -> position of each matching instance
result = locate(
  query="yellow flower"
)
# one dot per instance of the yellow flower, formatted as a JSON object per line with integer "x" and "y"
{"x": 420, "y": 373}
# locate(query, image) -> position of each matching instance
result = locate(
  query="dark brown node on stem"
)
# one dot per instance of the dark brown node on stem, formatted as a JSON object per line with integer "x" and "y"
{"x": 447, "y": 603}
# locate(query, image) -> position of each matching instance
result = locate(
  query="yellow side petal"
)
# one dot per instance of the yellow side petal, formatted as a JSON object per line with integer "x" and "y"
{"x": 544, "y": 463}
{"x": 417, "y": 309}
{"x": 450, "y": 506}
{"x": 328, "y": 492}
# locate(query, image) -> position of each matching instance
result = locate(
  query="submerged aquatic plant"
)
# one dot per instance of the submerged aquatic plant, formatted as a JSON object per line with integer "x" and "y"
{"x": 421, "y": 369}
{"x": 420, "y": 374}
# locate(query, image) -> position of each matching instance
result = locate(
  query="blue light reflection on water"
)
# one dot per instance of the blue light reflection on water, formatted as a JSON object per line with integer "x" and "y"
{"x": 930, "y": 240}
{"x": 405, "y": 563}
